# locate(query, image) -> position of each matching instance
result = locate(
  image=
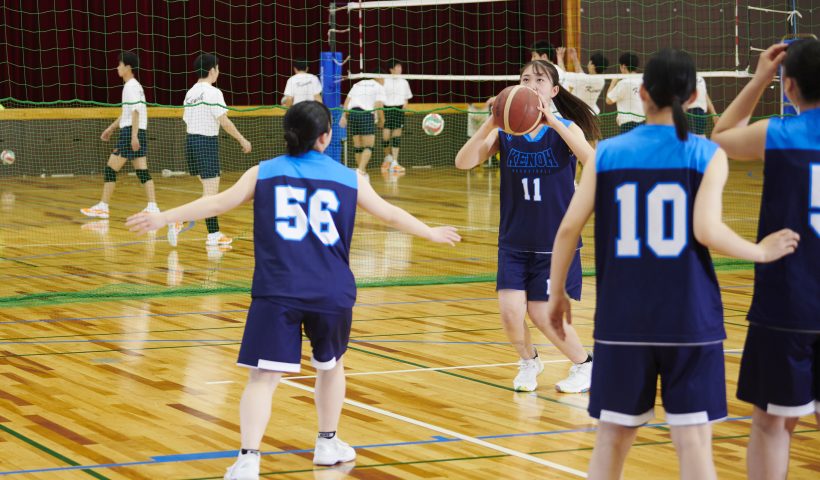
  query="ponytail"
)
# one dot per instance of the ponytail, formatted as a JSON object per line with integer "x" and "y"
{"x": 303, "y": 124}
{"x": 681, "y": 124}
{"x": 575, "y": 109}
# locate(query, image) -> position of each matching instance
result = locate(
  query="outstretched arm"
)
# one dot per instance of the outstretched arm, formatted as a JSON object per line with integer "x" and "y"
{"x": 710, "y": 230}
{"x": 204, "y": 207}
{"x": 399, "y": 219}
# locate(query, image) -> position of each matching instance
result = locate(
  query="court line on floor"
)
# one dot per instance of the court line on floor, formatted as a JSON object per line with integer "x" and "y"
{"x": 452, "y": 433}
{"x": 186, "y": 457}
{"x": 408, "y": 370}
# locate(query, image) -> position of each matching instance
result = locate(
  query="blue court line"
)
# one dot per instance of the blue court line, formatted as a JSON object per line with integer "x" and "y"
{"x": 187, "y": 457}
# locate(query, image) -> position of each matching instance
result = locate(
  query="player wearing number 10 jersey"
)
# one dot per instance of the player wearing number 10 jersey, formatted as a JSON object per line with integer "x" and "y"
{"x": 304, "y": 209}
{"x": 656, "y": 193}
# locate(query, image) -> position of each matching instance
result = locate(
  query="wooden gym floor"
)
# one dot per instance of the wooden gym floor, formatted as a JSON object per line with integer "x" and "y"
{"x": 146, "y": 387}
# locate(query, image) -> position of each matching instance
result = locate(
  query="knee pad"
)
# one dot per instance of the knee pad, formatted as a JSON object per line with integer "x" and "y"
{"x": 396, "y": 141}
{"x": 143, "y": 175}
{"x": 358, "y": 150}
{"x": 109, "y": 174}
{"x": 385, "y": 143}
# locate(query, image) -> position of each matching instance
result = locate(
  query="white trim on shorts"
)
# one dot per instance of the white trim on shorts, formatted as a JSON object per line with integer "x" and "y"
{"x": 687, "y": 419}
{"x": 274, "y": 366}
{"x": 328, "y": 365}
{"x": 798, "y": 411}
{"x": 627, "y": 420}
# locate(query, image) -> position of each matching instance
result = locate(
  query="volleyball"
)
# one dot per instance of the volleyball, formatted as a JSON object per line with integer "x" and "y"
{"x": 7, "y": 157}
{"x": 432, "y": 124}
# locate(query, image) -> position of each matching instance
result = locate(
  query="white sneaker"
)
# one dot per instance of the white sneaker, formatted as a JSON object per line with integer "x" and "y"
{"x": 218, "y": 239}
{"x": 246, "y": 467}
{"x": 332, "y": 451}
{"x": 580, "y": 376}
{"x": 98, "y": 211}
{"x": 173, "y": 233}
{"x": 528, "y": 370}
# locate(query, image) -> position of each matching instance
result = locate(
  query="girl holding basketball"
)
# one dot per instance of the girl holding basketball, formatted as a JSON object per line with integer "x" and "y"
{"x": 656, "y": 192}
{"x": 537, "y": 183}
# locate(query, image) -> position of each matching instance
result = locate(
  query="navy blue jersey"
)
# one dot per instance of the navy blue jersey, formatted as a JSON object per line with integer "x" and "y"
{"x": 537, "y": 184}
{"x": 787, "y": 292}
{"x": 656, "y": 283}
{"x": 304, "y": 210}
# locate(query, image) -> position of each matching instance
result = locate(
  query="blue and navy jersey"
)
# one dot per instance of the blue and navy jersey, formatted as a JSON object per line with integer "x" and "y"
{"x": 537, "y": 184}
{"x": 656, "y": 283}
{"x": 304, "y": 210}
{"x": 787, "y": 292}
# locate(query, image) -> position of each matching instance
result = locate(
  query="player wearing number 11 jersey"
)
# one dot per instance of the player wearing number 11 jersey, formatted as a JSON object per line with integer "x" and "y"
{"x": 304, "y": 207}
{"x": 537, "y": 183}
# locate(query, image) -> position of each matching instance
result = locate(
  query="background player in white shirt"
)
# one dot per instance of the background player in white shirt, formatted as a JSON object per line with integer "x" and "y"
{"x": 587, "y": 87}
{"x": 302, "y": 85}
{"x": 365, "y": 97}
{"x": 204, "y": 113}
{"x": 132, "y": 143}
{"x": 625, "y": 93}
{"x": 397, "y": 93}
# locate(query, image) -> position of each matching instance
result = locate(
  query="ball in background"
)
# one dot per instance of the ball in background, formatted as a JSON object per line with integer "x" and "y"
{"x": 516, "y": 110}
{"x": 7, "y": 157}
{"x": 432, "y": 124}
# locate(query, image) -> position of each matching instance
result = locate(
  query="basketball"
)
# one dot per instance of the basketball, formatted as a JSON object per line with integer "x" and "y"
{"x": 432, "y": 124}
{"x": 7, "y": 157}
{"x": 516, "y": 110}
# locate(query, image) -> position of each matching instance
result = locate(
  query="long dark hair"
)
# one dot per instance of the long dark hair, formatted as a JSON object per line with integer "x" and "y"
{"x": 303, "y": 124}
{"x": 802, "y": 63}
{"x": 670, "y": 79}
{"x": 568, "y": 105}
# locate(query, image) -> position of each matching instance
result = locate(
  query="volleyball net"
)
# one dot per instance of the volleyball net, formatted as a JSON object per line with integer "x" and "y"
{"x": 60, "y": 91}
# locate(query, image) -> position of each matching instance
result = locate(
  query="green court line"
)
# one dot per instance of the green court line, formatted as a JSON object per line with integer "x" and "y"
{"x": 43, "y": 448}
{"x": 132, "y": 292}
{"x": 464, "y": 377}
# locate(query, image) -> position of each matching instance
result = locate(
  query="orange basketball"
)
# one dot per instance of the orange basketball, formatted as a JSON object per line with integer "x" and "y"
{"x": 516, "y": 110}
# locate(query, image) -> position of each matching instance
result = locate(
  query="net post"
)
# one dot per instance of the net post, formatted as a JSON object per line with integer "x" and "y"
{"x": 331, "y": 76}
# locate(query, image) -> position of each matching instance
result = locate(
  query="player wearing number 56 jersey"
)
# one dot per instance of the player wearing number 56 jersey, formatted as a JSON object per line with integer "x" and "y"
{"x": 656, "y": 193}
{"x": 537, "y": 183}
{"x": 304, "y": 207}
{"x": 780, "y": 369}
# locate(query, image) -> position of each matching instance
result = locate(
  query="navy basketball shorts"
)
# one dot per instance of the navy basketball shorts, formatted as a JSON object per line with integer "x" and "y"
{"x": 530, "y": 271}
{"x": 123, "y": 148}
{"x": 360, "y": 122}
{"x": 625, "y": 379}
{"x": 780, "y": 371}
{"x": 273, "y": 337}
{"x": 393, "y": 119}
{"x": 697, "y": 120}
{"x": 202, "y": 155}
